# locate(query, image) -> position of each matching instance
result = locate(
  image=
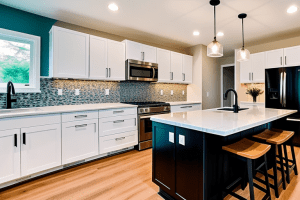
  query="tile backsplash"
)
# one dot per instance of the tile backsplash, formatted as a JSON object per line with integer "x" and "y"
{"x": 94, "y": 92}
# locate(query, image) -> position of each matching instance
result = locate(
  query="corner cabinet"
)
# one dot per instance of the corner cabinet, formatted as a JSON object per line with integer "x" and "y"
{"x": 253, "y": 70}
{"x": 177, "y": 159}
{"x": 141, "y": 52}
{"x": 69, "y": 54}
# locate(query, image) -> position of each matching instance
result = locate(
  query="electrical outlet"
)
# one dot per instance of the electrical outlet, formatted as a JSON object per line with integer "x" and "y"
{"x": 182, "y": 140}
{"x": 59, "y": 92}
{"x": 161, "y": 92}
{"x": 77, "y": 91}
{"x": 172, "y": 92}
{"x": 171, "y": 137}
{"x": 182, "y": 92}
{"x": 106, "y": 91}
{"x": 207, "y": 94}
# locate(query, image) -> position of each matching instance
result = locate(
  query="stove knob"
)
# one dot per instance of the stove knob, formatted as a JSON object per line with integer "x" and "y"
{"x": 142, "y": 110}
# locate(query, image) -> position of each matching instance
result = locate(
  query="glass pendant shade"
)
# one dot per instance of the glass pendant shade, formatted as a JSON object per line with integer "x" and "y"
{"x": 243, "y": 55}
{"x": 215, "y": 49}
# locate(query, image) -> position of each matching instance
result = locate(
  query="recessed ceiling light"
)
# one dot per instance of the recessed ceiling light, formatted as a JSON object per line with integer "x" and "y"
{"x": 220, "y": 34}
{"x": 196, "y": 33}
{"x": 292, "y": 9}
{"x": 113, "y": 7}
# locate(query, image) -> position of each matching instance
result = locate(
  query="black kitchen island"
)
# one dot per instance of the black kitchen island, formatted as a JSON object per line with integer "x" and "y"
{"x": 187, "y": 149}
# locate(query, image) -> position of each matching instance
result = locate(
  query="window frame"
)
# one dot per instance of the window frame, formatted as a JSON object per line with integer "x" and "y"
{"x": 35, "y": 57}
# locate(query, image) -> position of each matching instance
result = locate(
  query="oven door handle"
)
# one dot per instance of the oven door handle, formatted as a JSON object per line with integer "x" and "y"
{"x": 145, "y": 117}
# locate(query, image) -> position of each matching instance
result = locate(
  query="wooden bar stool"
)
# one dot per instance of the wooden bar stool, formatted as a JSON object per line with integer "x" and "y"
{"x": 278, "y": 138}
{"x": 248, "y": 150}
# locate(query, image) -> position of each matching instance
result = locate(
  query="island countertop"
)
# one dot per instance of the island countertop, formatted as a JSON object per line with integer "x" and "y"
{"x": 222, "y": 123}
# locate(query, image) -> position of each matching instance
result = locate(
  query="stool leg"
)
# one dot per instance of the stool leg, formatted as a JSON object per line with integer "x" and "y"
{"x": 286, "y": 164}
{"x": 274, "y": 147}
{"x": 294, "y": 159}
{"x": 267, "y": 177}
{"x": 250, "y": 177}
{"x": 281, "y": 166}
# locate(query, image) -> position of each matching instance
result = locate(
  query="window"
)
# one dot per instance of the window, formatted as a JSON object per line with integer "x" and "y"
{"x": 19, "y": 61}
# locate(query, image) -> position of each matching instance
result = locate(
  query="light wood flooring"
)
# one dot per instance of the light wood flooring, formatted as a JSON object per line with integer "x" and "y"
{"x": 123, "y": 176}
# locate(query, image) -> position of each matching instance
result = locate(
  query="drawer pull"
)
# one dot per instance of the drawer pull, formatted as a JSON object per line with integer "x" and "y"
{"x": 121, "y": 138}
{"x": 118, "y": 111}
{"x": 16, "y": 140}
{"x": 186, "y": 107}
{"x": 80, "y": 126}
{"x": 80, "y": 116}
{"x": 118, "y": 121}
{"x": 24, "y": 138}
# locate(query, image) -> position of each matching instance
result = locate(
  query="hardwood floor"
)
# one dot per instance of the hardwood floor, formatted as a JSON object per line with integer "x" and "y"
{"x": 124, "y": 176}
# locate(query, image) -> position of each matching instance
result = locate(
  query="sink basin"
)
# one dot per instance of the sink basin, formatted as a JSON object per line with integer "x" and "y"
{"x": 231, "y": 109}
{"x": 19, "y": 110}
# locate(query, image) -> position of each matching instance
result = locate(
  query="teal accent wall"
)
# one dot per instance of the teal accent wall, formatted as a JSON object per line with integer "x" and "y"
{"x": 21, "y": 21}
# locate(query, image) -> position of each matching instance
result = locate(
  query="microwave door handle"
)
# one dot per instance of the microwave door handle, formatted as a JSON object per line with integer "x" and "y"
{"x": 153, "y": 72}
{"x": 280, "y": 97}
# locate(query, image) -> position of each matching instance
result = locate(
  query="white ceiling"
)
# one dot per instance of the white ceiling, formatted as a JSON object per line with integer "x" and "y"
{"x": 173, "y": 20}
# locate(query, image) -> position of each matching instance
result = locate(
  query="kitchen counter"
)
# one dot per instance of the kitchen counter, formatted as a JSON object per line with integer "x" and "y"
{"x": 222, "y": 123}
{"x": 8, "y": 113}
{"x": 183, "y": 102}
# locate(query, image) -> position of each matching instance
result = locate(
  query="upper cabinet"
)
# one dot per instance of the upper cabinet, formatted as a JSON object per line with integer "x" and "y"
{"x": 69, "y": 53}
{"x": 164, "y": 65}
{"x": 291, "y": 56}
{"x": 141, "y": 52}
{"x": 176, "y": 67}
{"x": 286, "y": 57}
{"x": 187, "y": 68}
{"x": 253, "y": 70}
{"x": 274, "y": 58}
{"x": 116, "y": 60}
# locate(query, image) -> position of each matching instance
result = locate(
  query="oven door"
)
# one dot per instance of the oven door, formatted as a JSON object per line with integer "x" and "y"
{"x": 145, "y": 128}
{"x": 142, "y": 73}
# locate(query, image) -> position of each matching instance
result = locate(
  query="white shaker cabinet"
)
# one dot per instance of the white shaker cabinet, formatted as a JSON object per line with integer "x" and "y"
{"x": 164, "y": 65}
{"x": 98, "y": 58}
{"x": 9, "y": 155}
{"x": 274, "y": 58}
{"x": 149, "y": 54}
{"x": 187, "y": 68}
{"x": 40, "y": 148}
{"x": 69, "y": 53}
{"x": 246, "y": 71}
{"x": 116, "y": 60}
{"x": 292, "y": 56}
{"x": 176, "y": 67}
{"x": 141, "y": 52}
{"x": 253, "y": 70}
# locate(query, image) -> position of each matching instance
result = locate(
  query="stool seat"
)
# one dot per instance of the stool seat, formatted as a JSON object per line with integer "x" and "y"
{"x": 248, "y": 149}
{"x": 275, "y": 136}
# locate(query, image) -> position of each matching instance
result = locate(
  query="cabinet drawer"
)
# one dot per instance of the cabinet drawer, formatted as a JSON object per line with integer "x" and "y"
{"x": 76, "y": 116}
{"x": 117, "y": 141}
{"x": 185, "y": 108}
{"x": 114, "y": 125}
{"x": 117, "y": 112}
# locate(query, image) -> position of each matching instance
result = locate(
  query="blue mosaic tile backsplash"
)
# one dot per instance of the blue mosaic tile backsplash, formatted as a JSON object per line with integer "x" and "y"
{"x": 94, "y": 92}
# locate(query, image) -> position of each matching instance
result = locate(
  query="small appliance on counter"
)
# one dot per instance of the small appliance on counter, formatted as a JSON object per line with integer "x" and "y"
{"x": 141, "y": 71}
{"x": 145, "y": 111}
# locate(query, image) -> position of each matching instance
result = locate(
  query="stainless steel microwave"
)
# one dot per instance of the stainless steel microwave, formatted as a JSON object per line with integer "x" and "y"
{"x": 141, "y": 71}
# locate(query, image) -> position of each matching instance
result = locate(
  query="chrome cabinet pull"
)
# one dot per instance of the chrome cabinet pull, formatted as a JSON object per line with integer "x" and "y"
{"x": 186, "y": 107}
{"x": 249, "y": 76}
{"x": 109, "y": 72}
{"x": 280, "y": 60}
{"x": 285, "y": 60}
{"x": 118, "y": 121}
{"x": 106, "y": 75}
{"x": 170, "y": 75}
{"x": 184, "y": 76}
{"x": 118, "y": 111}
{"x": 252, "y": 76}
{"x": 121, "y": 138}
{"x": 80, "y": 116}
{"x": 80, "y": 126}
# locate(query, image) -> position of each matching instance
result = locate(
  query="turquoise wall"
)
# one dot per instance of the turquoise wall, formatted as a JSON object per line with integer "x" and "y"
{"x": 21, "y": 21}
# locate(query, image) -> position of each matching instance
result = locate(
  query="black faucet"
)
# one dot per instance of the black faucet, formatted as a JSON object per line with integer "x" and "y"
{"x": 235, "y": 107}
{"x": 10, "y": 89}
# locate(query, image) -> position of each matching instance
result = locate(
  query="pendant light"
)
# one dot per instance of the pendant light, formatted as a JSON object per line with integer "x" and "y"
{"x": 214, "y": 49}
{"x": 243, "y": 54}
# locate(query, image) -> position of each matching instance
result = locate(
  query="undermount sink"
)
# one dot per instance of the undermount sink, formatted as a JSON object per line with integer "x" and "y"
{"x": 231, "y": 109}
{"x": 17, "y": 110}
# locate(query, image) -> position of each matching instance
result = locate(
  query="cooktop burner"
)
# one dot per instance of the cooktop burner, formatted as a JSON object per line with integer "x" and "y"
{"x": 148, "y": 104}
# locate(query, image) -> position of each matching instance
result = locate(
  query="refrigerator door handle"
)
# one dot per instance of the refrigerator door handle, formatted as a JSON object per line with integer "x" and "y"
{"x": 284, "y": 89}
{"x": 281, "y": 76}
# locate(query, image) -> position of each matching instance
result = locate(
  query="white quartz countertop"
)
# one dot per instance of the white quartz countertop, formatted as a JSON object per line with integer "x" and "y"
{"x": 222, "y": 123}
{"x": 7, "y": 113}
{"x": 183, "y": 102}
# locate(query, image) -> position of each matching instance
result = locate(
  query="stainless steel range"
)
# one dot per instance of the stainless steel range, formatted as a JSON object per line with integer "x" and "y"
{"x": 145, "y": 111}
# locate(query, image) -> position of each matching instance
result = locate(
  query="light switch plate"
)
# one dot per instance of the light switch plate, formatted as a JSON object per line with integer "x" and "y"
{"x": 161, "y": 92}
{"x": 77, "y": 91}
{"x": 172, "y": 92}
{"x": 182, "y": 140}
{"x": 207, "y": 94}
{"x": 171, "y": 137}
{"x": 182, "y": 92}
{"x": 106, "y": 91}
{"x": 59, "y": 92}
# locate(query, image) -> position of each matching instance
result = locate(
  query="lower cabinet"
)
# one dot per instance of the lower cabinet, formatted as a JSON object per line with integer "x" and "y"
{"x": 9, "y": 155}
{"x": 178, "y": 161}
{"x": 40, "y": 148}
{"x": 79, "y": 140}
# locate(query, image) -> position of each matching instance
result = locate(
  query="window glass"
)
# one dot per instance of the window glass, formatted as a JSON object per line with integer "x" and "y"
{"x": 14, "y": 61}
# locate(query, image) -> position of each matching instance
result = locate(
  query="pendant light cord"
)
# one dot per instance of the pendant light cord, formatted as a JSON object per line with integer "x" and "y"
{"x": 243, "y": 33}
{"x": 215, "y": 23}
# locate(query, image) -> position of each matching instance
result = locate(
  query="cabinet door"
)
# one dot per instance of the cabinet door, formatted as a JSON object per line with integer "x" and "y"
{"x": 163, "y": 168}
{"x": 40, "y": 148}
{"x": 176, "y": 67}
{"x": 291, "y": 56}
{"x": 133, "y": 50}
{"x": 274, "y": 58}
{"x": 164, "y": 65}
{"x": 79, "y": 140}
{"x": 70, "y": 53}
{"x": 246, "y": 71}
{"x": 9, "y": 155}
{"x": 258, "y": 67}
{"x": 149, "y": 54}
{"x": 116, "y": 60}
{"x": 187, "y": 69}
{"x": 98, "y": 58}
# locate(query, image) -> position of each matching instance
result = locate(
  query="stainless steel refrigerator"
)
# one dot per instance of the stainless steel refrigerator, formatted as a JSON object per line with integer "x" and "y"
{"x": 282, "y": 90}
